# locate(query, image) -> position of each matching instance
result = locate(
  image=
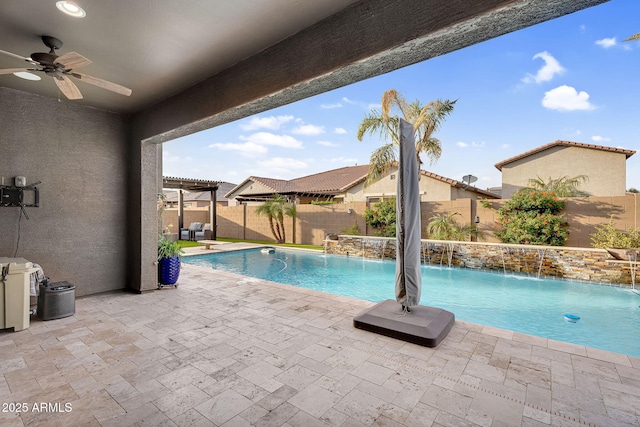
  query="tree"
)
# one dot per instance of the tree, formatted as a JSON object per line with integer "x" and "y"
{"x": 275, "y": 209}
{"x": 633, "y": 190}
{"x": 562, "y": 187}
{"x": 425, "y": 119}
{"x": 382, "y": 216}
{"x": 445, "y": 227}
{"x": 532, "y": 217}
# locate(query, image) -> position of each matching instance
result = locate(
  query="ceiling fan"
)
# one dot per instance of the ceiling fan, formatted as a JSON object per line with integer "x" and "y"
{"x": 61, "y": 67}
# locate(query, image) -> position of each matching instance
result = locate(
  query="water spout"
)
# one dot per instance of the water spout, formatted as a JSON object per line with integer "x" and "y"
{"x": 541, "y": 256}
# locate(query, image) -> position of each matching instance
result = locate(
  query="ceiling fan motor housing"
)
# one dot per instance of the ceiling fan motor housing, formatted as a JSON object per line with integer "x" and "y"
{"x": 44, "y": 59}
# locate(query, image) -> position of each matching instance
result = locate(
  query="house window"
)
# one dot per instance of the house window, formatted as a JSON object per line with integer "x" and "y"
{"x": 392, "y": 176}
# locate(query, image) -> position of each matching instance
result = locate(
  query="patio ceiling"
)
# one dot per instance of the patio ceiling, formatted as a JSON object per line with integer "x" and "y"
{"x": 166, "y": 50}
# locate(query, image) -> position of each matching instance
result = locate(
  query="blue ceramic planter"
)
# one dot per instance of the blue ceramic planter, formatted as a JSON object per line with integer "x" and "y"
{"x": 168, "y": 270}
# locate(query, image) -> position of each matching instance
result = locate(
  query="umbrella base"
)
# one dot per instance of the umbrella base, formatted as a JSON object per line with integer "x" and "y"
{"x": 426, "y": 326}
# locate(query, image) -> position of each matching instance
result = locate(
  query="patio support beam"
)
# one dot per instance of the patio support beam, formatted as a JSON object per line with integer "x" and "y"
{"x": 366, "y": 39}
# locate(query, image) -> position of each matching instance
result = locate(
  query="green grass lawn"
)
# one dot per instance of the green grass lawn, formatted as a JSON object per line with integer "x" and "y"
{"x": 189, "y": 244}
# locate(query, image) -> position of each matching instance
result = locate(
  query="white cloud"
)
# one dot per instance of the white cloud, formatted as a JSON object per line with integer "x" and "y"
{"x": 599, "y": 138}
{"x": 169, "y": 157}
{"x": 607, "y": 42}
{"x": 331, "y": 106}
{"x": 266, "y": 138}
{"x": 566, "y": 98}
{"x": 246, "y": 149}
{"x": 308, "y": 130}
{"x": 347, "y": 100}
{"x": 374, "y": 106}
{"x": 271, "y": 122}
{"x": 462, "y": 144}
{"x": 340, "y": 131}
{"x": 550, "y": 68}
{"x": 477, "y": 144}
{"x": 328, "y": 144}
{"x": 344, "y": 160}
{"x": 505, "y": 146}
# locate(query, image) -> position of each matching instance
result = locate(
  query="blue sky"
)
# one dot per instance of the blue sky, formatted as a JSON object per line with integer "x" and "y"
{"x": 572, "y": 78}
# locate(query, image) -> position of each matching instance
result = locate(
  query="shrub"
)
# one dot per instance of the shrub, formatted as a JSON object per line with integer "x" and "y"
{"x": 532, "y": 217}
{"x": 323, "y": 202}
{"x": 445, "y": 227}
{"x": 382, "y": 217}
{"x": 354, "y": 230}
{"x": 607, "y": 236}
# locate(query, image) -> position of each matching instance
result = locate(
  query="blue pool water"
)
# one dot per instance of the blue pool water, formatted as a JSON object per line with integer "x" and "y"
{"x": 609, "y": 316}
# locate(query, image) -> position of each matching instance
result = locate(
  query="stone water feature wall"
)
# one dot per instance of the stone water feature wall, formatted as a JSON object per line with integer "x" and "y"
{"x": 585, "y": 264}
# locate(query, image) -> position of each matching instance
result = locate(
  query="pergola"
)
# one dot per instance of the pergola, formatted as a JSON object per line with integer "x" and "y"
{"x": 199, "y": 185}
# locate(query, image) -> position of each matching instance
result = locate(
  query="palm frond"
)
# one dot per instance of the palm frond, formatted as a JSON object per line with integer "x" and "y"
{"x": 380, "y": 162}
{"x": 633, "y": 37}
{"x": 390, "y": 99}
{"x": 563, "y": 187}
{"x": 372, "y": 124}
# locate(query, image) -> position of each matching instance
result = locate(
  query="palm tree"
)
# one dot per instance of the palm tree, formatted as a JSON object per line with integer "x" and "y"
{"x": 445, "y": 227}
{"x": 562, "y": 187}
{"x": 275, "y": 209}
{"x": 425, "y": 119}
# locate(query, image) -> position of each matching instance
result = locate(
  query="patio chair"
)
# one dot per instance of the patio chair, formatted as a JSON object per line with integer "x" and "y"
{"x": 205, "y": 233}
{"x": 190, "y": 233}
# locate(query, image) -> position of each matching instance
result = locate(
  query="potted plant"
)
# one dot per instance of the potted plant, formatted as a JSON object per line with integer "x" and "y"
{"x": 169, "y": 254}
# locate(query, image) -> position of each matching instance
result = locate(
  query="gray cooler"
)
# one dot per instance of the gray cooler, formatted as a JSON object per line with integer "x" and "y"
{"x": 56, "y": 300}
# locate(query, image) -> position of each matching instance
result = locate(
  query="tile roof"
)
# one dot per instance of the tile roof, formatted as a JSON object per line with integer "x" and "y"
{"x": 332, "y": 181}
{"x": 560, "y": 143}
{"x": 338, "y": 181}
{"x": 458, "y": 184}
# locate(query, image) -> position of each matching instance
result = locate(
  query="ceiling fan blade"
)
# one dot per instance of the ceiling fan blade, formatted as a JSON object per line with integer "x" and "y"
{"x": 72, "y": 60}
{"x": 14, "y": 70}
{"x": 67, "y": 87}
{"x": 4, "y": 52}
{"x": 113, "y": 87}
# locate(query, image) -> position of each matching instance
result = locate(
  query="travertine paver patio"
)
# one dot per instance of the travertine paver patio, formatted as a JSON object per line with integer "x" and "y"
{"x": 227, "y": 350}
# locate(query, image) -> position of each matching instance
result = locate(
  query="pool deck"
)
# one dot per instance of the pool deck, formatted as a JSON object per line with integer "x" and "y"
{"x": 228, "y": 350}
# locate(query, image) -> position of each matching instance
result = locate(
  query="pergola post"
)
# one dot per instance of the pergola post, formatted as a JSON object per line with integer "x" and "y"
{"x": 180, "y": 212}
{"x": 213, "y": 214}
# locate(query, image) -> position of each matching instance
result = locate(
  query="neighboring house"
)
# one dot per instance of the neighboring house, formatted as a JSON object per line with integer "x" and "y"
{"x": 199, "y": 199}
{"x": 604, "y": 166}
{"x": 347, "y": 185}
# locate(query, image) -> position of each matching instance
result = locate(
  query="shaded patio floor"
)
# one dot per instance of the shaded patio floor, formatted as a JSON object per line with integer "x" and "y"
{"x": 227, "y": 350}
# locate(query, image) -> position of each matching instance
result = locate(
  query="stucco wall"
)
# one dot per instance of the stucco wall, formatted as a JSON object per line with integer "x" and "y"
{"x": 79, "y": 232}
{"x": 606, "y": 170}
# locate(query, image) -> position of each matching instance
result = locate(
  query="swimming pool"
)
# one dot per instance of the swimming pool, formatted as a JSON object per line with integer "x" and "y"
{"x": 609, "y": 316}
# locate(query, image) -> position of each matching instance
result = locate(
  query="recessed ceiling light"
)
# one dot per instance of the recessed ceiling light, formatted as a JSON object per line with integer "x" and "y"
{"x": 26, "y": 75}
{"x": 71, "y": 9}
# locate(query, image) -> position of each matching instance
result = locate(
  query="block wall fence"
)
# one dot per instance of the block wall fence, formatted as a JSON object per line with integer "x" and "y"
{"x": 314, "y": 222}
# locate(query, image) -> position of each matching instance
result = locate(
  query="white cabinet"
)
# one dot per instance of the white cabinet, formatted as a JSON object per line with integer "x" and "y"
{"x": 14, "y": 293}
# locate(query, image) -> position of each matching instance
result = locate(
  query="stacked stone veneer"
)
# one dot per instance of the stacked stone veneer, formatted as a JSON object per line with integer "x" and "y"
{"x": 591, "y": 265}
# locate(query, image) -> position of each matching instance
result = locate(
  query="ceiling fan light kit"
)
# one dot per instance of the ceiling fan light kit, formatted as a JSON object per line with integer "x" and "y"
{"x": 60, "y": 68}
{"x": 71, "y": 9}
{"x": 27, "y": 75}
